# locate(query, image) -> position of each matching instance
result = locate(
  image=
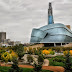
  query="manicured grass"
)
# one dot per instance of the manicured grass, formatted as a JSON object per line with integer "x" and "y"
{"x": 5, "y": 69}
{"x": 57, "y": 62}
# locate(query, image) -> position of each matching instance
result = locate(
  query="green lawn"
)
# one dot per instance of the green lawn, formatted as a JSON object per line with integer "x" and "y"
{"x": 59, "y": 61}
{"x": 5, "y": 69}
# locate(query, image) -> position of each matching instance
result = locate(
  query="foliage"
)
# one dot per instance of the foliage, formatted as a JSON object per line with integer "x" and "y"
{"x": 35, "y": 51}
{"x": 38, "y": 67}
{"x": 29, "y": 58}
{"x": 1, "y": 52}
{"x": 58, "y": 49}
{"x": 68, "y": 63}
{"x": 55, "y": 63}
{"x": 20, "y": 50}
{"x": 40, "y": 59}
{"x": 25, "y": 49}
{"x": 6, "y": 57}
{"x": 59, "y": 59}
{"x": 5, "y": 69}
{"x": 14, "y": 67}
{"x": 65, "y": 52}
{"x": 52, "y": 52}
{"x": 30, "y": 51}
{"x": 13, "y": 54}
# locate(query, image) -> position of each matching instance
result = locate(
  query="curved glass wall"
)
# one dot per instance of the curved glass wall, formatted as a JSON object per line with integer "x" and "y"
{"x": 58, "y": 33}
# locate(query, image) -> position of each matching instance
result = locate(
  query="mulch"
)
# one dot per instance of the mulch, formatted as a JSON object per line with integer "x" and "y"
{"x": 51, "y": 68}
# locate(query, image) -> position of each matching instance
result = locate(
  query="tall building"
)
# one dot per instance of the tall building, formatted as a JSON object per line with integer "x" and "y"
{"x": 2, "y": 36}
{"x": 53, "y": 33}
{"x": 50, "y": 15}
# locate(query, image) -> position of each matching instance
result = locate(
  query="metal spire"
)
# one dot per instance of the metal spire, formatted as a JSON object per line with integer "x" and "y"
{"x": 50, "y": 15}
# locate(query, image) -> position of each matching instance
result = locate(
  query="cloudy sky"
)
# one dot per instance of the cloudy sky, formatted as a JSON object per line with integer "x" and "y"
{"x": 19, "y": 17}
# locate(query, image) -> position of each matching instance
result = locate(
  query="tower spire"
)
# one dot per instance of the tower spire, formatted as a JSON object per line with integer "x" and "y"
{"x": 50, "y": 15}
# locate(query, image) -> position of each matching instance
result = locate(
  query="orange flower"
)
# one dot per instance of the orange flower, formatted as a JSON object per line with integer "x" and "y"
{"x": 45, "y": 52}
{"x": 70, "y": 52}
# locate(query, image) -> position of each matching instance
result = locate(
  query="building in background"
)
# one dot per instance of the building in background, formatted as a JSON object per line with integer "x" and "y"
{"x": 17, "y": 42}
{"x": 7, "y": 42}
{"x": 2, "y": 36}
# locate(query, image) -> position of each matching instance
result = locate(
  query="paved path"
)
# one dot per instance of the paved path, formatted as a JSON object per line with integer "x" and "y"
{"x": 51, "y": 68}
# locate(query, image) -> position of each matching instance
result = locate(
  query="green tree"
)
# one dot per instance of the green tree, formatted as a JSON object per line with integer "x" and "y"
{"x": 6, "y": 57}
{"x": 20, "y": 50}
{"x": 67, "y": 63}
{"x": 1, "y": 52}
{"x": 29, "y": 58}
{"x": 14, "y": 67}
{"x": 38, "y": 67}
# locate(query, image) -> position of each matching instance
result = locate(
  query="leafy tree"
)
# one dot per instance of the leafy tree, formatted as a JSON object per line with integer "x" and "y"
{"x": 20, "y": 50}
{"x": 38, "y": 67}
{"x": 40, "y": 59}
{"x": 14, "y": 67}
{"x": 13, "y": 54}
{"x": 6, "y": 57}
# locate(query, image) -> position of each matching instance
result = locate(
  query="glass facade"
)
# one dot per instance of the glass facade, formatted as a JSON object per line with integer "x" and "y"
{"x": 53, "y": 33}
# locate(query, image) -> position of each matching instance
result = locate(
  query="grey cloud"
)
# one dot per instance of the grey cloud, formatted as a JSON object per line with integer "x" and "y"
{"x": 19, "y": 17}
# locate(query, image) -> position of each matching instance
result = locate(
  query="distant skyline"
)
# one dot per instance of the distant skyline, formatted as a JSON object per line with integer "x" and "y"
{"x": 19, "y": 17}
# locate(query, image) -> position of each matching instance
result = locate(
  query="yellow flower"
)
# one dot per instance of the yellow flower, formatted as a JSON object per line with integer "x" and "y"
{"x": 65, "y": 52}
{"x": 6, "y": 57}
{"x": 13, "y": 54}
{"x": 50, "y": 50}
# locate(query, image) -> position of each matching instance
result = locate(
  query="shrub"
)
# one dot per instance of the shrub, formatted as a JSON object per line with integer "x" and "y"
{"x": 14, "y": 67}
{"x": 29, "y": 58}
{"x": 13, "y": 54}
{"x": 6, "y": 57}
{"x": 25, "y": 49}
{"x": 59, "y": 59}
{"x": 40, "y": 59}
{"x": 1, "y": 52}
{"x": 65, "y": 52}
{"x": 19, "y": 49}
{"x": 52, "y": 52}
{"x": 38, "y": 67}
{"x": 68, "y": 63}
{"x": 30, "y": 51}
